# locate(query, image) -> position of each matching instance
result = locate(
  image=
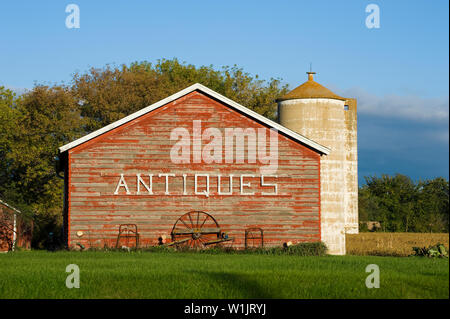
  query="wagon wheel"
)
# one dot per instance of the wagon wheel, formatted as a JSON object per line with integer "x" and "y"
{"x": 195, "y": 229}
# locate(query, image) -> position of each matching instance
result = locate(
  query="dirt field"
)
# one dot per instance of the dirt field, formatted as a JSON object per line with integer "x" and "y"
{"x": 391, "y": 244}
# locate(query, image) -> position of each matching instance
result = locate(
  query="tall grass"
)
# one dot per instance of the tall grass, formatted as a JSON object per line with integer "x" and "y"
{"x": 300, "y": 249}
{"x": 391, "y": 244}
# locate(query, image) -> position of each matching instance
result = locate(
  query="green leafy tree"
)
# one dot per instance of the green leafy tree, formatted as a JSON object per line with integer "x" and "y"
{"x": 8, "y": 120}
{"x": 393, "y": 197}
{"x": 401, "y": 205}
{"x": 43, "y": 119}
{"x": 107, "y": 95}
{"x": 433, "y": 205}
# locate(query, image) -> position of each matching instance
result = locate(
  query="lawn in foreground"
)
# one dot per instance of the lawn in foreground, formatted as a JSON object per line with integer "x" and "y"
{"x": 40, "y": 274}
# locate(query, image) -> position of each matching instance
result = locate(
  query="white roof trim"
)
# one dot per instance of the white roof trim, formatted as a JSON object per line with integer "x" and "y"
{"x": 9, "y": 206}
{"x": 200, "y": 87}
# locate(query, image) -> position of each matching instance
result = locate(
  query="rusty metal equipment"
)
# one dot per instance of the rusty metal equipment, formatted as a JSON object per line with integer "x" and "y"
{"x": 127, "y": 232}
{"x": 254, "y": 238}
{"x": 197, "y": 229}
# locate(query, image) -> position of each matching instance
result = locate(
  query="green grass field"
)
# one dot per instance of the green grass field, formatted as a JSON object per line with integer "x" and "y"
{"x": 40, "y": 274}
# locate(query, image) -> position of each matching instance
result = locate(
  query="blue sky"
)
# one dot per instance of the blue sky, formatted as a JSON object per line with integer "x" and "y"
{"x": 398, "y": 73}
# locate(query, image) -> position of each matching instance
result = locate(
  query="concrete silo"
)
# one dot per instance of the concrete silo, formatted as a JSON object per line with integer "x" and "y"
{"x": 317, "y": 113}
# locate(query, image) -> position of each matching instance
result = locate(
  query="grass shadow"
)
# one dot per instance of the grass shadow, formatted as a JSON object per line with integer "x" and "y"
{"x": 248, "y": 287}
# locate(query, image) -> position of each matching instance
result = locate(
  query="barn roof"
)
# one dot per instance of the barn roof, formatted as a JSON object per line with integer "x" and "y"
{"x": 199, "y": 87}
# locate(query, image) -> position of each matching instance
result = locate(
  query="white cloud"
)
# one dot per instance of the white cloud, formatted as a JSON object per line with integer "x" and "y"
{"x": 405, "y": 107}
{"x": 439, "y": 135}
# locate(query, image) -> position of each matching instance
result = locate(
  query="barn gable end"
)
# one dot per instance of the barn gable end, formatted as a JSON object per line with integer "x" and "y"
{"x": 126, "y": 175}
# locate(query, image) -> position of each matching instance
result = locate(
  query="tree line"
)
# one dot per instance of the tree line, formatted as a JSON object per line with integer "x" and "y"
{"x": 399, "y": 204}
{"x": 34, "y": 124}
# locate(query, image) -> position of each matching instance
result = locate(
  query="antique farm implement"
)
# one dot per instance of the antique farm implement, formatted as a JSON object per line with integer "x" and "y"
{"x": 254, "y": 237}
{"x": 127, "y": 232}
{"x": 197, "y": 229}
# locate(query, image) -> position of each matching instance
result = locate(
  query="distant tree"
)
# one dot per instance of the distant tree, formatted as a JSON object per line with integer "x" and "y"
{"x": 401, "y": 205}
{"x": 368, "y": 205}
{"x": 8, "y": 120}
{"x": 433, "y": 205}
{"x": 393, "y": 198}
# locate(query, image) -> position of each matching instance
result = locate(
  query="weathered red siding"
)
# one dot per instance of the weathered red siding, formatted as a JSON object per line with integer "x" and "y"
{"x": 143, "y": 146}
{"x": 23, "y": 229}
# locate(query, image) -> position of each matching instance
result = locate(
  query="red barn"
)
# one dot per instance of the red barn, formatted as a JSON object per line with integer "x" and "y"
{"x": 193, "y": 151}
{"x": 15, "y": 230}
